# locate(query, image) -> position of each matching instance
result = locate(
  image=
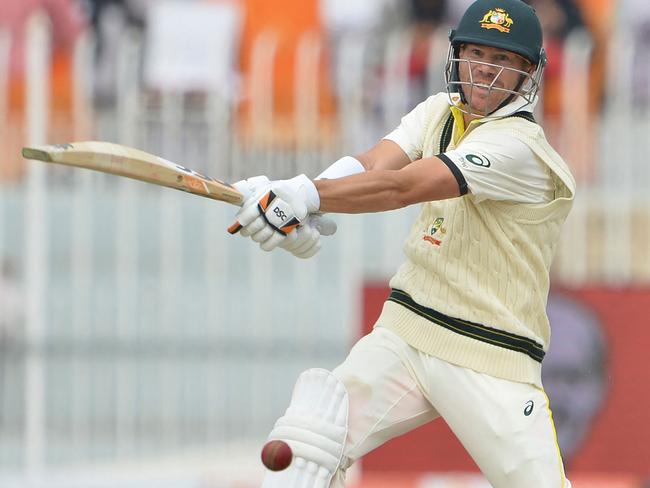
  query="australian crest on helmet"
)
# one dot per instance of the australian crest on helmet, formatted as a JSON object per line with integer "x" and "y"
{"x": 497, "y": 19}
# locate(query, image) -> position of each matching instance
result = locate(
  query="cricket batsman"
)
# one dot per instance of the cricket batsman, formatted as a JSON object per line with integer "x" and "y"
{"x": 464, "y": 332}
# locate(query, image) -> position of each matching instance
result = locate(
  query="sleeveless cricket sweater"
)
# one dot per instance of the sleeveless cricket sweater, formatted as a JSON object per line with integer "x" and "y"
{"x": 473, "y": 289}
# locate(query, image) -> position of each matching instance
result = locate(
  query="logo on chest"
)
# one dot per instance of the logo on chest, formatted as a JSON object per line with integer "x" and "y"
{"x": 436, "y": 232}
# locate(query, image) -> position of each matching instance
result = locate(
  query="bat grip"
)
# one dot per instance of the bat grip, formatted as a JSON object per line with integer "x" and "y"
{"x": 234, "y": 228}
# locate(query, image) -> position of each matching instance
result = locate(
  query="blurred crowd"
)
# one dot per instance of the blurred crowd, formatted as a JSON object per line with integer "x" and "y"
{"x": 333, "y": 19}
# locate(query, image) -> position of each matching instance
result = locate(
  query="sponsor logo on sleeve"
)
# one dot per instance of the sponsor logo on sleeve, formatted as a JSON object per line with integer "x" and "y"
{"x": 478, "y": 160}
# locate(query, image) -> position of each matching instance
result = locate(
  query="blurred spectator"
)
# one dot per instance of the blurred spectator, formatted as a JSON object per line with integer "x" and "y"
{"x": 134, "y": 10}
{"x": 570, "y": 128}
{"x": 599, "y": 17}
{"x": 559, "y": 18}
{"x": 67, "y": 22}
{"x": 574, "y": 373}
{"x": 635, "y": 21}
{"x": 111, "y": 19}
{"x": 429, "y": 11}
{"x": 456, "y": 8}
{"x": 426, "y": 16}
{"x": 342, "y": 17}
{"x": 287, "y": 22}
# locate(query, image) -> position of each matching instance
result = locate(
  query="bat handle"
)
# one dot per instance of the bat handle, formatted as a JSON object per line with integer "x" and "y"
{"x": 234, "y": 228}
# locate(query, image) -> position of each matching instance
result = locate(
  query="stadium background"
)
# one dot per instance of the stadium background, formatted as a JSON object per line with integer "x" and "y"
{"x": 141, "y": 345}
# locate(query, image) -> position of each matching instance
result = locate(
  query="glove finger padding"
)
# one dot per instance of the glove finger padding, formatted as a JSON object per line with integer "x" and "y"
{"x": 299, "y": 238}
{"x": 263, "y": 234}
{"x": 309, "y": 252}
{"x": 272, "y": 242}
{"x": 318, "y": 225}
{"x": 290, "y": 242}
{"x": 251, "y": 190}
{"x": 305, "y": 242}
{"x": 254, "y": 227}
{"x": 246, "y": 215}
{"x": 312, "y": 237}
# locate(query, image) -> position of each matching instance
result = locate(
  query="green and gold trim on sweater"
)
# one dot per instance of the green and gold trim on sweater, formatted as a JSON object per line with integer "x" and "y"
{"x": 473, "y": 330}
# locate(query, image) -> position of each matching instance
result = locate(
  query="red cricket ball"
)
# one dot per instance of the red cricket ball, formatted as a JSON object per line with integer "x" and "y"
{"x": 276, "y": 455}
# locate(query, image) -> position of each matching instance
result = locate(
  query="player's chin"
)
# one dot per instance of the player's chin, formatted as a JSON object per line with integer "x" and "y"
{"x": 481, "y": 106}
{"x": 484, "y": 103}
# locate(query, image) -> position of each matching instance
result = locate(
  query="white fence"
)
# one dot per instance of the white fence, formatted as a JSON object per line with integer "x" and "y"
{"x": 149, "y": 332}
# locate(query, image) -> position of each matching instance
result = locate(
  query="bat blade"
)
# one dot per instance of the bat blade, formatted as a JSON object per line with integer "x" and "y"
{"x": 128, "y": 162}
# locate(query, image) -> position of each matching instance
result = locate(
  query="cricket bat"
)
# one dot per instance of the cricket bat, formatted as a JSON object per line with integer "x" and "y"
{"x": 119, "y": 160}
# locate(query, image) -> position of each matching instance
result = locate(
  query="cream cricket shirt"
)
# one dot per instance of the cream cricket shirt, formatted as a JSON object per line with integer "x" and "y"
{"x": 506, "y": 169}
{"x": 474, "y": 285}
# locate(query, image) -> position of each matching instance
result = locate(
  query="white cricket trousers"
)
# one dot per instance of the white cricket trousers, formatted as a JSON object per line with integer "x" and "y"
{"x": 506, "y": 427}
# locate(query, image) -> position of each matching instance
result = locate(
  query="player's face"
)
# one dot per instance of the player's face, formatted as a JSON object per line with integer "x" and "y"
{"x": 491, "y": 71}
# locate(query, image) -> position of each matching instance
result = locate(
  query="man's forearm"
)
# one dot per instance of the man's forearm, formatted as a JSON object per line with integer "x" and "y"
{"x": 380, "y": 190}
{"x": 373, "y": 191}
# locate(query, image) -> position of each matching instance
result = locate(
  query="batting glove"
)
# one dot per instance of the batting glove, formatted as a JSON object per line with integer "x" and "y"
{"x": 277, "y": 211}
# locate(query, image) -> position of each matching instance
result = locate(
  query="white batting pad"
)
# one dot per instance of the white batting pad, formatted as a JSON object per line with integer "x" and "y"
{"x": 315, "y": 426}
